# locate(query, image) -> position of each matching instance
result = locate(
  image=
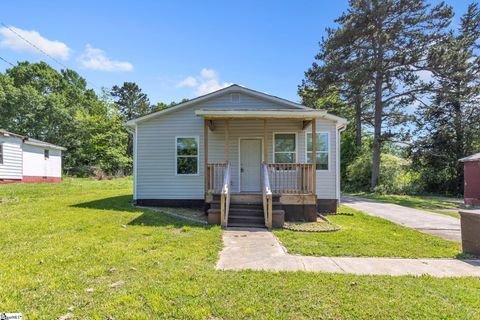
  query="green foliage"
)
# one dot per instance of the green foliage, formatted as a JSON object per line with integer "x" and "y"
{"x": 450, "y": 124}
{"x": 372, "y": 57}
{"x": 159, "y": 106}
{"x": 130, "y": 100}
{"x": 395, "y": 176}
{"x": 57, "y": 107}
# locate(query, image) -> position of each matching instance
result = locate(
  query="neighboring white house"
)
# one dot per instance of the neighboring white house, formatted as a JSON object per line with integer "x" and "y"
{"x": 188, "y": 153}
{"x": 24, "y": 159}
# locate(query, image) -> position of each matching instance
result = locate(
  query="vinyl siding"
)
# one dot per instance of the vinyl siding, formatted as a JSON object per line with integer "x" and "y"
{"x": 155, "y": 147}
{"x": 12, "y": 158}
{"x": 245, "y": 102}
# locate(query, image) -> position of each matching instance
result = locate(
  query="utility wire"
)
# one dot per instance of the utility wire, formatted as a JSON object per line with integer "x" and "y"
{"x": 6, "y": 61}
{"x": 40, "y": 50}
{"x": 33, "y": 45}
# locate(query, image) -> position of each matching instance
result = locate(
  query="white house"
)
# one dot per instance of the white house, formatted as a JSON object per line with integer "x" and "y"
{"x": 24, "y": 159}
{"x": 245, "y": 155}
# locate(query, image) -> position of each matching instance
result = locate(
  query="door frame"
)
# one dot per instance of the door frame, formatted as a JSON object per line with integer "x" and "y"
{"x": 240, "y": 157}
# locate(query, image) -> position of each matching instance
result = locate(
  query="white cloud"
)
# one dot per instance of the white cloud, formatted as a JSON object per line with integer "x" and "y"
{"x": 208, "y": 73}
{"x": 188, "y": 82}
{"x": 208, "y": 81}
{"x": 13, "y": 41}
{"x": 96, "y": 59}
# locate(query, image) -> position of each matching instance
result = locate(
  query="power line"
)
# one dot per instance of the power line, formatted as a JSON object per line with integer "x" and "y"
{"x": 33, "y": 45}
{"x": 6, "y": 61}
{"x": 42, "y": 51}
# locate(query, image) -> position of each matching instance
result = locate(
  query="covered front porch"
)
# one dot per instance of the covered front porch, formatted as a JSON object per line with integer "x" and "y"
{"x": 260, "y": 157}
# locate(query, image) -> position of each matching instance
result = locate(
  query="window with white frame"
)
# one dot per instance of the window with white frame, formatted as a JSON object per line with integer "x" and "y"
{"x": 1, "y": 153}
{"x": 284, "y": 148}
{"x": 186, "y": 155}
{"x": 322, "y": 150}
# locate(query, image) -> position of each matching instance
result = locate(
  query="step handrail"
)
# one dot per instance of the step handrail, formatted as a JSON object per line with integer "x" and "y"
{"x": 225, "y": 196}
{"x": 267, "y": 196}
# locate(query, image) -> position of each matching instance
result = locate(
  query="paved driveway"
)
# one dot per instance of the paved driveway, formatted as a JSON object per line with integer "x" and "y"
{"x": 435, "y": 224}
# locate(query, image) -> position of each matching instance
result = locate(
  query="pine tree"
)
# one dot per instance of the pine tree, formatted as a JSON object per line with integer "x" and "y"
{"x": 385, "y": 41}
{"x": 132, "y": 103}
{"x": 335, "y": 75}
{"x": 450, "y": 124}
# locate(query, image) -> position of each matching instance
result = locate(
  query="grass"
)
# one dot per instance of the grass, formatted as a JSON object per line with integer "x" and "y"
{"x": 437, "y": 204}
{"x": 59, "y": 240}
{"x": 364, "y": 235}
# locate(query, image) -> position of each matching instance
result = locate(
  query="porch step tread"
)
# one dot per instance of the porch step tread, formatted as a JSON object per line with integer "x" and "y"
{"x": 245, "y": 212}
{"x": 246, "y": 218}
{"x": 246, "y": 225}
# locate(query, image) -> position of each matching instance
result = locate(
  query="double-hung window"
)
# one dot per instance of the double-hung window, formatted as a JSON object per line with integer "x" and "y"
{"x": 322, "y": 150}
{"x": 186, "y": 155}
{"x": 284, "y": 148}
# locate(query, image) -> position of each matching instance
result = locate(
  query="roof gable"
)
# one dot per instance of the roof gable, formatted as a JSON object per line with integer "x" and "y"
{"x": 270, "y": 100}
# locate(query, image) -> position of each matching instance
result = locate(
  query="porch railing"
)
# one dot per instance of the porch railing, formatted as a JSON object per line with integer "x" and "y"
{"x": 291, "y": 177}
{"x": 215, "y": 175}
{"x": 267, "y": 196}
{"x": 225, "y": 196}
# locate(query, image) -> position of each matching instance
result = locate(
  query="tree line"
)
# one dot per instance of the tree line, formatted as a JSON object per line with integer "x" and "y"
{"x": 56, "y": 106}
{"x": 408, "y": 81}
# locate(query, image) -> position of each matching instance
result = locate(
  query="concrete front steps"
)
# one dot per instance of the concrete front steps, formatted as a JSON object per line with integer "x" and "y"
{"x": 246, "y": 210}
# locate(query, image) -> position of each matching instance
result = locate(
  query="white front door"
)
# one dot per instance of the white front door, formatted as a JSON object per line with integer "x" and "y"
{"x": 250, "y": 164}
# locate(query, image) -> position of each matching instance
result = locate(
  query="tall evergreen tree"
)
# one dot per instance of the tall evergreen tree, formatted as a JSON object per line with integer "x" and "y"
{"x": 332, "y": 74}
{"x": 450, "y": 124}
{"x": 132, "y": 103}
{"x": 386, "y": 41}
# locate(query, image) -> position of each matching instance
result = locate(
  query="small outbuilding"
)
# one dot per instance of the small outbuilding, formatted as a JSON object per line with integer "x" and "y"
{"x": 23, "y": 159}
{"x": 471, "y": 179}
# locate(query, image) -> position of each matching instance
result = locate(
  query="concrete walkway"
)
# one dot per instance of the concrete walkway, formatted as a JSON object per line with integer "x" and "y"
{"x": 432, "y": 223}
{"x": 258, "y": 249}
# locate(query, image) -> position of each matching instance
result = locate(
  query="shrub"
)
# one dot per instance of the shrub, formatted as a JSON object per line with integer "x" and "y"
{"x": 395, "y": 176}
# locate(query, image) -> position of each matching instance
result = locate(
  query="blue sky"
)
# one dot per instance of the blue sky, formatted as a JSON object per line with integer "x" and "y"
{"x": 175, "y": 49}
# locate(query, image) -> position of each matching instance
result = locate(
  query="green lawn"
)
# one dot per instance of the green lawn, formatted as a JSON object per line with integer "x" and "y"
{"x": 59, "y": 240}
{"x": 364, "y": 235}
{"x": 437, "y": 204}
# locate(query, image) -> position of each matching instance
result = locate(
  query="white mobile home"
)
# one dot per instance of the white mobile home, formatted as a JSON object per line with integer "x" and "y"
{"x": 239, "y": 145}
{"x": 24, "y": 159}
